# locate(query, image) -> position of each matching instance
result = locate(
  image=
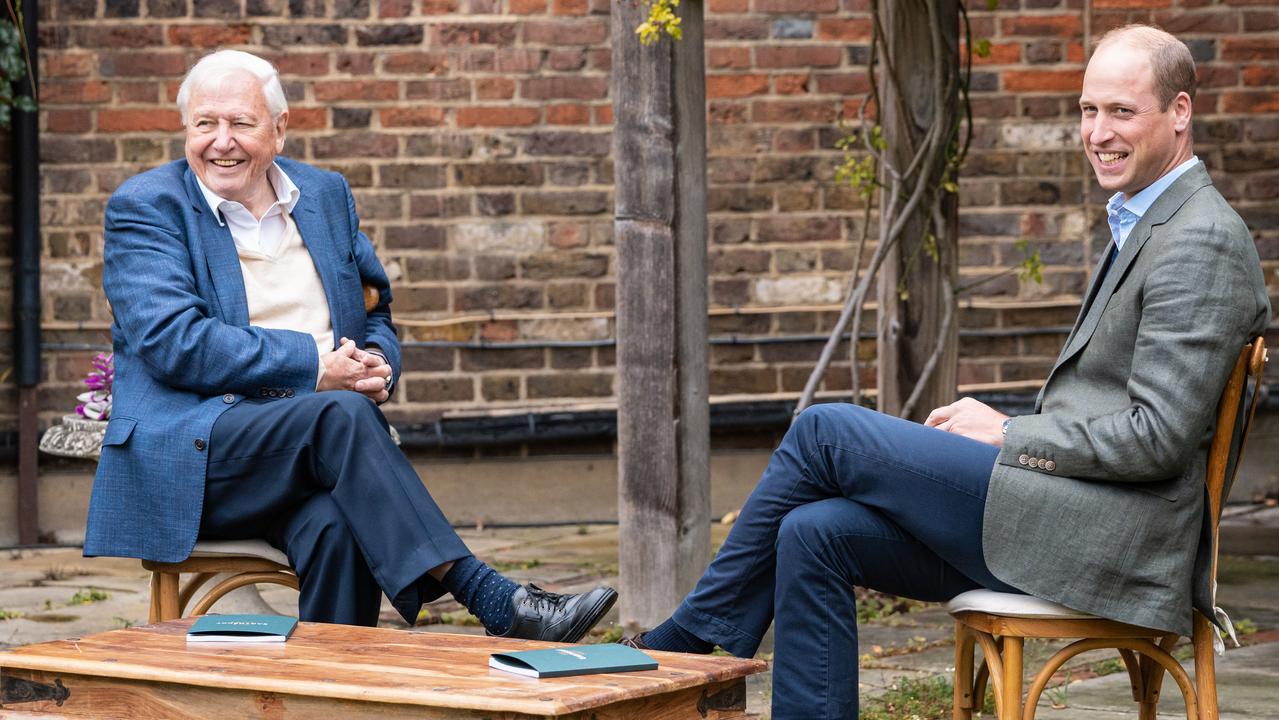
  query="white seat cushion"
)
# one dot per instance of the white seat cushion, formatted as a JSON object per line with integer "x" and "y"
{"x": 230, "y": 548}
{"x": 1011, "y": 604}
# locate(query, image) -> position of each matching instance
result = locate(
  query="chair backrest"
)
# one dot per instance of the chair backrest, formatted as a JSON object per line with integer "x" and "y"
{"x": 1234, "y": 420}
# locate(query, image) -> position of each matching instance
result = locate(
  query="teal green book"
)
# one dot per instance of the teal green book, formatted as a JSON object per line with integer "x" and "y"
{"x": 573, "y": 660}
{"x": 242, "y": 628}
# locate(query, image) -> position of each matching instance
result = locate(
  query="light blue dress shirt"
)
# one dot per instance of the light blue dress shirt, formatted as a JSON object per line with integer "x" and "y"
{"x": 1123, "y": 216}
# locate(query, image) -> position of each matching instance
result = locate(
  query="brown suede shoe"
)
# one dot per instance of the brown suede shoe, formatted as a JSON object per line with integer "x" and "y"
{"x": 634, "y": 641}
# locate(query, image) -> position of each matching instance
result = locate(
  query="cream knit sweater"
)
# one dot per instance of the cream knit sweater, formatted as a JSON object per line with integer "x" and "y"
{"x": 284, "y": 290}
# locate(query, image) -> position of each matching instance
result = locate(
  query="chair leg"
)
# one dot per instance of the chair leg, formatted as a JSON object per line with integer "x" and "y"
{"x": 1205, "y": 668}
{"x": 979, "y": 684}
{"x": 1149, "y": 699}
{"x": 1152, "y": 680}
{"x": 1011, "y": 687}
{"x": 153, "y": 615}
{"x": 164, "y": 597}
{"x": 964, "y": 703}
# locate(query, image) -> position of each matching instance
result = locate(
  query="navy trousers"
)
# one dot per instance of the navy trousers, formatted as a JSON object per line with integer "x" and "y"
{"x": 850, "y": 497}
{"x": 319, "y": 477}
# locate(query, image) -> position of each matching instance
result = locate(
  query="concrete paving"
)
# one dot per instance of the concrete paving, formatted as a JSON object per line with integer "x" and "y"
{"x": 55, "y": 593}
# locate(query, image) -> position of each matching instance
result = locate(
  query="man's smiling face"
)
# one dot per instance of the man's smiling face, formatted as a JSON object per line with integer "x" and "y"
{"x": 232, "y": 139}
{"x": 1129, "y": 140}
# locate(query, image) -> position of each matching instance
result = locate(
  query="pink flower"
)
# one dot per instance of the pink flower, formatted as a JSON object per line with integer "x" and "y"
{"x": 95, "y": 404}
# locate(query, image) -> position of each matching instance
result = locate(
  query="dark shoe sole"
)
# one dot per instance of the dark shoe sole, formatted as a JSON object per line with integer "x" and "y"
{"x": 589, "y": 620}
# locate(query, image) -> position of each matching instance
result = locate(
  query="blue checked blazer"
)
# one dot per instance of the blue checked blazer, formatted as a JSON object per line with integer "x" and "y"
{"x": 185, "y": 352}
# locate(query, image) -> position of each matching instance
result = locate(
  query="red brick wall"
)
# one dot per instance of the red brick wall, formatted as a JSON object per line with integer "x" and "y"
{"x": 476, "y": 134}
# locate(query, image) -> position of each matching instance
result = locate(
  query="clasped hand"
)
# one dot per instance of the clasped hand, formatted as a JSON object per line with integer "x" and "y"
{"x": 350, "y": 368}
{"x": 971, "y": 419}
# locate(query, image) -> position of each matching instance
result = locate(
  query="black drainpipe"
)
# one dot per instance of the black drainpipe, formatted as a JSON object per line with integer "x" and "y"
{"x": 26, "y": 287}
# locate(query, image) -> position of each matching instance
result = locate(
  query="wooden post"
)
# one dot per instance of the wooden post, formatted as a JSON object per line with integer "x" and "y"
{"x": 908, "y": 328}
{"x": 659, "y": 150}
{"x": 25, "y": 167}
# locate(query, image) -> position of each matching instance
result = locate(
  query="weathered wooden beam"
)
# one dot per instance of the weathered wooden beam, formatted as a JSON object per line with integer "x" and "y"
{"x": 659, "y": 146}
{"x": 694, "y": 532}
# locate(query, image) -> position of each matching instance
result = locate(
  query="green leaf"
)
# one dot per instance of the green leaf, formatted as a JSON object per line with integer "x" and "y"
{"x": 13, "y": 67}
{"x": 982, "y": 48}
{"x": 1031, "y": 269}
{"x": 930, "y": 247}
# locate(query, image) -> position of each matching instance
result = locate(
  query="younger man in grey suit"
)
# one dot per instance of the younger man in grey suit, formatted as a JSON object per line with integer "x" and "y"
{"x": 1095, "y": 501}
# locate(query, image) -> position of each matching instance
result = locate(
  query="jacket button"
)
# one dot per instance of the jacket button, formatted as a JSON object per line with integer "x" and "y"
{"x": 1032, "y": 461}
{"x": 1023, "y": 459}
{"x": 262, "y": 392}
{"x": 1050, "y": 466}
{"x": 199, "y": 443}
{"x": 228, "y": 398}
{"x": 1043, "y": 464}
{"x": 288, "y": 393}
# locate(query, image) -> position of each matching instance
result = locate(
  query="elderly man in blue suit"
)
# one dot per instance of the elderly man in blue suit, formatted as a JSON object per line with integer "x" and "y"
{"x": 248, "y": 375}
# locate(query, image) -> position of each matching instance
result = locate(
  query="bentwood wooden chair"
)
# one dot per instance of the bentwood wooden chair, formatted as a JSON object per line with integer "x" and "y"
{"x": 1000, "y": 622}
{"x": 248, "y": 562}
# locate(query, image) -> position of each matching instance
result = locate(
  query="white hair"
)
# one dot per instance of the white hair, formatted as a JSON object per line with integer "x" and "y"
{"x": 218, "y": 65}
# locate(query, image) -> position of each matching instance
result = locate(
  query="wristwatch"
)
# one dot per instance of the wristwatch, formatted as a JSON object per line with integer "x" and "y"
{"x": 1003, "y": 429}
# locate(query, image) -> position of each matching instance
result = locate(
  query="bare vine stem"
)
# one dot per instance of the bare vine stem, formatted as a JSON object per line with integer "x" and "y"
{"x": 943, "y": 146}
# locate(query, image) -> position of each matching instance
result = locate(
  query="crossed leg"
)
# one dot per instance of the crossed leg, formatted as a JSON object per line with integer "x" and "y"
{"x": 320, "y": 477}
{"x": 908, "y": 520}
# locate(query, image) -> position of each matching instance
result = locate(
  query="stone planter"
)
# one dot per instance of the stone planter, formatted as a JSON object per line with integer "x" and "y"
{"x": 74, "y": 436}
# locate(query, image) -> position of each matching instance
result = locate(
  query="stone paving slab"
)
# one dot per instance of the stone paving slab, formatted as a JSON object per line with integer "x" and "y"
{"x": 570, "y": 558}
{"x": 1247, "y": 689}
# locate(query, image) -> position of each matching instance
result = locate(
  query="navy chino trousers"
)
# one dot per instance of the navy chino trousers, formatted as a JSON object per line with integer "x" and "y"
{"x": 319, "y": 477}
{"x": 850, "y": 497}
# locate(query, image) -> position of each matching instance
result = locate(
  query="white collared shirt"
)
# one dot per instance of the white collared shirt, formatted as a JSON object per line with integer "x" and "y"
{"x": 259, "y": 236}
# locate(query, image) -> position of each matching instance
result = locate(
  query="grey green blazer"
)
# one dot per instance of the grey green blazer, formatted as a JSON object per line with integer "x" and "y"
{"x": 1097, "y": 499}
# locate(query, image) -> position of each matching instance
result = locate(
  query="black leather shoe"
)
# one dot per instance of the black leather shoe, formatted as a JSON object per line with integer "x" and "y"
{"x": 542, "y": 615}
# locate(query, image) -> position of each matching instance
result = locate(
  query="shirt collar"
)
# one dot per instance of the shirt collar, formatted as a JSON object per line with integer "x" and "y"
{"x": 1138, "y": 204}
{"x": 286, "y": 193}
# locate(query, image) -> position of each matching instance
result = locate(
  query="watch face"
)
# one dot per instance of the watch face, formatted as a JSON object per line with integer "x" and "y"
{"x": 1004, "y": 427}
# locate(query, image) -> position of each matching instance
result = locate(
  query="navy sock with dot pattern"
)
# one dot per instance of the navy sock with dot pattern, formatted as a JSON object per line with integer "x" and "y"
{"x": 484, "y": 592}
{"x": 671, "y": 636}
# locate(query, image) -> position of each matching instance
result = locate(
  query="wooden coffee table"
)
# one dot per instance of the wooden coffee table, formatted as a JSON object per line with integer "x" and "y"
{"x": 336, "y": 671}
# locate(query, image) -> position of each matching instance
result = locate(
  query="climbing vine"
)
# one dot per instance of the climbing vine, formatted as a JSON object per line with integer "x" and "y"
{"x": 15, "y": 63}
{"x": 662, "y": 20}
{"x": 920, "y": 185}
{"x": 895, "y": 192}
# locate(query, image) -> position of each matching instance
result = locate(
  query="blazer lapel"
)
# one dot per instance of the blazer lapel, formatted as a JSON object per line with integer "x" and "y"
{"x": 315, "y": 233}
{"x": 1093, "y": 286}
{"x": 1101, "y": 289}
{"x": 1069, "y": 348}
{"x": 1091, "y": 314}
{"x": 220, "y": 256}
